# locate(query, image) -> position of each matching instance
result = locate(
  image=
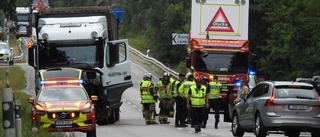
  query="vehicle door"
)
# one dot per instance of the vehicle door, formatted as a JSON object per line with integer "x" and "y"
{"x": 257, "y": 102}
{"x": 246, "y": 108}
{"x": 117, "y": 69}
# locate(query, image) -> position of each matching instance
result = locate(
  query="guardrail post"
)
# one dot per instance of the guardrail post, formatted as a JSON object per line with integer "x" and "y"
{"x": 18, "y": 118}
{"x": 7, "y": 111}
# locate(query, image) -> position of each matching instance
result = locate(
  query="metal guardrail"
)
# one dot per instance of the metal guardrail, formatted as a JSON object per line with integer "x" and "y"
{"x": 21, "y": 53}
{"x": 153, "y": 61}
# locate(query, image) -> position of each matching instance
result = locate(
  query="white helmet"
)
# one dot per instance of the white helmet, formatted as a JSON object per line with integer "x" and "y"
{"x": 166, "y": 74}
{"x": 148, "y": 75}
{"x": 188, "y": 75}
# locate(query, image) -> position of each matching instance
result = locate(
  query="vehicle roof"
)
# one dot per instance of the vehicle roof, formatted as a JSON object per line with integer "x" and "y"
{"x": 62, "y": 82}
{"x": 280, "y": 83}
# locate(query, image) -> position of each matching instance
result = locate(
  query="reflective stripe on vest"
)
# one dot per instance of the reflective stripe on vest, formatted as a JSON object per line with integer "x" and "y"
{"x": 215, "y": 88}
{"x": 145, "y": 94}
{"x": 198, "y": 96}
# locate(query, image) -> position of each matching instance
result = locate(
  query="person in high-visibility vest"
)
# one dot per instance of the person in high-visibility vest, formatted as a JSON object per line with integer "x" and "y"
{"x": 180, "y": 102}
{"x": 148, "y": 97}
{"x": 197, "y": 103}
{"x": 214, "y": 99}
{"x": 183, "y": 92}
{"x": 164, "y": 89}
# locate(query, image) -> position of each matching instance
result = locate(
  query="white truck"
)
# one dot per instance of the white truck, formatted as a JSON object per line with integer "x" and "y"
{"x": 23, "y": 21}
{"x": 84, "y": 38}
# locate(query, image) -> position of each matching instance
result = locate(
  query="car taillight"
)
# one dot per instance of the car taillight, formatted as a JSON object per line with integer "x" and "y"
{"x": 271, "y": 99}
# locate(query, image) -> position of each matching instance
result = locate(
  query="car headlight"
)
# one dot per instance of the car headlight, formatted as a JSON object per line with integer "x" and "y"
{"x": 38, "y": 112}
{"x": 87, "y": 111}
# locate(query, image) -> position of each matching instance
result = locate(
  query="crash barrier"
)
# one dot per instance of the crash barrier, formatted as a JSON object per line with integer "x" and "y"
{"x": 153, "y": 61}
{"x": 21, "y": 53}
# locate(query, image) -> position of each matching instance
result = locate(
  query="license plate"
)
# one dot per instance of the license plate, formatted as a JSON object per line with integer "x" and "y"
{"x": 63, "y": 123}
{"x": 224, "y": 86}
{"x": 297, "y": 107}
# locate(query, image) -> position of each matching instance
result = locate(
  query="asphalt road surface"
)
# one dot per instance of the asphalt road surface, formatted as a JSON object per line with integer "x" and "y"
{"x": 132, "y": 123}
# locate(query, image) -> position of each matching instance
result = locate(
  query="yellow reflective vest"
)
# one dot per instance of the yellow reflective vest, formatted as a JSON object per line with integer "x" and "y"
{"x": 165, "y": 91}
{"x": 145, "y": 93}
{"x": 198, "y": 96}
{"x": 185, "y": 87}
{"x": 215, "y": 88}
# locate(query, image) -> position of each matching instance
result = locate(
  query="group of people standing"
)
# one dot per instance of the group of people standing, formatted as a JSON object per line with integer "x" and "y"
{"x": 192, "y": 96}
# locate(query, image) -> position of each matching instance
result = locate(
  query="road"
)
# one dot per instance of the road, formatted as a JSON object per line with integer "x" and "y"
{"x": 131, "y": 122}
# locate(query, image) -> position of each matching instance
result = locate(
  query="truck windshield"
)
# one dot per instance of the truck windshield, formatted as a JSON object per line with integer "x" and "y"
{"x": 23, "y": 17}
{"x": 222, "y": 62}
{"x": 62, "y": 55}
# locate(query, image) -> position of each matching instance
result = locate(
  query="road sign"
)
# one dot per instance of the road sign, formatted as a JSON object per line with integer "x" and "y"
{"x": 220, "y": 22}
{"x": 180, "y": 39}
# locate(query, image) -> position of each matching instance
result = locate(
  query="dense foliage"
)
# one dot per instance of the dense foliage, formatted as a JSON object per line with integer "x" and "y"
{"x": 284, "y": 33}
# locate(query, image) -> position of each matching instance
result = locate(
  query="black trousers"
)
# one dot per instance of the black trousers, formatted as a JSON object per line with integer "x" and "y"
{"x": 214, "y": 104}
{"x": 198, "y": 115}
{"x": 181, "y": 111}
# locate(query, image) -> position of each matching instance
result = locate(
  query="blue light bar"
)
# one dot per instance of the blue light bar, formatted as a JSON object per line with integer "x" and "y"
{"x": 238, "y": 84}
{"x": 252, "y": 72}
{"x": 41, "y": 82}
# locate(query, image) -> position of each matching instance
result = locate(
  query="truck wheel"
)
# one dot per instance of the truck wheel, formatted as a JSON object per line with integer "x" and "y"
{"x": 92, "y": 133}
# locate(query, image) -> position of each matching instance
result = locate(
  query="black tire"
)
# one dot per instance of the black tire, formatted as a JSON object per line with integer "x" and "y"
{"x": 259, "y": 129}
{"x": 92, "y": 133}
{"x": 235, "y": 127}
{"x": 315, "y": 133}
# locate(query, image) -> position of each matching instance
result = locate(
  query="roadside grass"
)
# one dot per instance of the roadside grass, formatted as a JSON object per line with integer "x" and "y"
{"x": 17, "y": 82}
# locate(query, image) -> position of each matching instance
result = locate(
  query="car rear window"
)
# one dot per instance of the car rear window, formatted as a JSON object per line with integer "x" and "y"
{"x": 303, "y": 92}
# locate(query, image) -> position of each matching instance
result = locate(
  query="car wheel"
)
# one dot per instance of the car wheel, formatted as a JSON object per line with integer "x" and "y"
{"x": 259, "y": 129}
{"x": 92, "y": 133}
{"x": 235, "y": 127}
{"x": 315, "y": 133}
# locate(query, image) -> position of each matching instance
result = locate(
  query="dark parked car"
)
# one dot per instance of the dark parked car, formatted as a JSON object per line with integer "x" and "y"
{"x": 292, "y": 107}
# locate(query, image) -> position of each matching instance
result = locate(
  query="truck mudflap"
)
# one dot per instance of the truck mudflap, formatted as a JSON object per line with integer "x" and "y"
{"x": 115, "y": 92}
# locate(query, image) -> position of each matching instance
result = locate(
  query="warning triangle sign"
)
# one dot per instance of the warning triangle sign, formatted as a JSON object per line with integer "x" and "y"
{"x": 40, "y": 5}
{"x": 220, "y": 22}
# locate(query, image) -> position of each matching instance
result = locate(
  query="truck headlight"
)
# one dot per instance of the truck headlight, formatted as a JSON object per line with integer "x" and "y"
{"x": 94, "y": 34}
{"x": 44, "y": 35}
